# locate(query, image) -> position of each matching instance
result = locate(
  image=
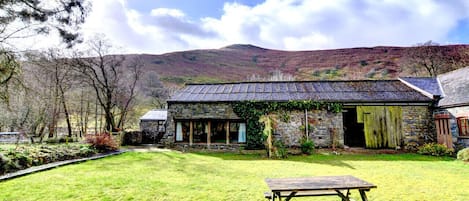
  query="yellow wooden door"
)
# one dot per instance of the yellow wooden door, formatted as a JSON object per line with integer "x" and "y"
{"x": 382, "y": 125}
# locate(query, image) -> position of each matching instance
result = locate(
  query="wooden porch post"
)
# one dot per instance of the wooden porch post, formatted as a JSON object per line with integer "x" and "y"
{"x": 209, "y": 133}
{"x": 227, "y": 128}
{"x": 191, "y": 132}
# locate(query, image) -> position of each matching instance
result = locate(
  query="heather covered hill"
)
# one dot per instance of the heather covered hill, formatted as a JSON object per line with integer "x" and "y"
{"x": 239, "y": 62}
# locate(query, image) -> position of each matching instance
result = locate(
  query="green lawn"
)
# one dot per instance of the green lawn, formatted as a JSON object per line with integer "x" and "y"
{"x": 217, "y": 176}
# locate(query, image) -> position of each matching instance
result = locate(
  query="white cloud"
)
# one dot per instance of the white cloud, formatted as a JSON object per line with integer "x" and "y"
{"x": 303, "y": 25}
{"x": 278, "y": 24}
{"x": 167, "y": 12}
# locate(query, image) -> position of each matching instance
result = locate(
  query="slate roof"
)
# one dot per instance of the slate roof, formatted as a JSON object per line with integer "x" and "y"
{"x": 332, "y": 91}
{"x": 427, "y": 84}
{"x": 455, "y": 85}
{"x": 155, "y": 115}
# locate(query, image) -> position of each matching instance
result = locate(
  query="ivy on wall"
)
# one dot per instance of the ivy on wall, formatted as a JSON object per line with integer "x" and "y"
{"x": 251, "y": 111}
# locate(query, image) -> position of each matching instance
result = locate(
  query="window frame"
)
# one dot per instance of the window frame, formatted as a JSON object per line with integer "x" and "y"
{"x": 208, "y": 122}
{"x": 463, "y": 126}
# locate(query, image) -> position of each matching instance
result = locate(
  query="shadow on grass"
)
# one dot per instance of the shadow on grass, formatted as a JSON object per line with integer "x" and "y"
{"x": 330, "y": 159}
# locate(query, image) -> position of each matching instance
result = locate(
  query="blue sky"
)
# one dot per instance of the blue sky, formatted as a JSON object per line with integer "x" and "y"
{"x": 161, "y": 26}
{"x": 195, "y": 9}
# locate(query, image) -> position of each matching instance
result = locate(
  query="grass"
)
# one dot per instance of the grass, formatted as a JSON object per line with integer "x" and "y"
{"x": 172, "y": 175}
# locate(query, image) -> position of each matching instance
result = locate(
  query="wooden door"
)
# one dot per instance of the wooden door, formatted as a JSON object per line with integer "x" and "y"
{"x": 443, "y": 130}
{"x": 382, "y": 125}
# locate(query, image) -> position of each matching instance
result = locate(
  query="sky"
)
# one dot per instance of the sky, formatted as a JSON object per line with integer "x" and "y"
{"x": 162, "y": 26}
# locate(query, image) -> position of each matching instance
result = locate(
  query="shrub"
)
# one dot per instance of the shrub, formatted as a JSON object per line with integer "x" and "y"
{"x": 307, "y": 146}
{"x": 363, "y": 63}
{"x": 22, "y": 157}
{"x": 435, "y": 150}
{"x": 102, "y": 142}
{"x": 280, "y": 149}
{"x": 412, "y": 147}
{"x": 463, "y": 154}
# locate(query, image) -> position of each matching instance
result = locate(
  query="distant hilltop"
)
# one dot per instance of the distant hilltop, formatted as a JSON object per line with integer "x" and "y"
{"x": 238, "y": 62}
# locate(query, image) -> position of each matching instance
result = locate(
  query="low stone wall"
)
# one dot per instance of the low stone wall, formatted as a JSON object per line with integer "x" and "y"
{"x": 13, "y": 137}
{"x": 132, "y": 138}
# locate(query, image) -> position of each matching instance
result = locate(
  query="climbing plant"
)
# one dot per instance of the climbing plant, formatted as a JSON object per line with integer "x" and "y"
{"x": 251, "y": 111}
{"x": 267, "y": 132}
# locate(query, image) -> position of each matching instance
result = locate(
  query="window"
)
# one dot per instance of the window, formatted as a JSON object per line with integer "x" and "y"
{"x": 237, "y": 132}
{"x": 182, "y": 131}
{"x": 200, "y": 132}
{"x": 220, "y": 131}
{"x": 463, "y": 125}
{"x": 161, "y": 126}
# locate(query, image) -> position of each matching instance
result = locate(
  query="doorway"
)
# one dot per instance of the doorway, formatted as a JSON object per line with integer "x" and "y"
{"x": 354, "y": 135}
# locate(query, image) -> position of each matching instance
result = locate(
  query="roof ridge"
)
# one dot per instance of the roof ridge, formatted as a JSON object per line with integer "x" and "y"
{"x": 298, "y": 81}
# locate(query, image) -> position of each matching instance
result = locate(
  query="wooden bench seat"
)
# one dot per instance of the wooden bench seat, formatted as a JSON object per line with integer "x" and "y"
{"x": 268, "y": 195}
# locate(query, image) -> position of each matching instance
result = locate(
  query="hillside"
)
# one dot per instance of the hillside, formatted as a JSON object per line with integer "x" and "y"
{"x": 239, "y": 62}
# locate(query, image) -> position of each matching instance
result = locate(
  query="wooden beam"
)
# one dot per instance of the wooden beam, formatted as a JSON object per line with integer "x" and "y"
{"x": 209, "y": 133}
{"x": 227, "y": 128}
{"x": 191, "y": 132}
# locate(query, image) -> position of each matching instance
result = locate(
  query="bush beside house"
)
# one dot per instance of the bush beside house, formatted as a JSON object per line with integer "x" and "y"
{"x": 463, "y": 155}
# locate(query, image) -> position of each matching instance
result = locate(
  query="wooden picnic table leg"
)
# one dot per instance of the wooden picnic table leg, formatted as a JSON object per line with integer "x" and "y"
{"x": 291, "y": 195}
{"x": 277, "y": 194}
{"x": 363, "y": 194}
{"x": 341, "y": 195}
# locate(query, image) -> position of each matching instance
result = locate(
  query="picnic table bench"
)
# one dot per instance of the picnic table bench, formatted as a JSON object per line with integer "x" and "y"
{"x": 316, "y": 186}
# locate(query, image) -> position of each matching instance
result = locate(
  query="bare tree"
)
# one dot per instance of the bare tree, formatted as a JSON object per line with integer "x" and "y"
{"x": 27, "y": 18}
{"x": 113, "y": 79}
{"x": 152, "y": 87}
{"x": 9, "y": 71}
{"x": 55, "y": 66}
{"x": 433, "y": 58}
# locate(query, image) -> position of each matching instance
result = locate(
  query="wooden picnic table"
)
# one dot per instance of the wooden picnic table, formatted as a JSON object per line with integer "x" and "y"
{"x": 317, "y": 186}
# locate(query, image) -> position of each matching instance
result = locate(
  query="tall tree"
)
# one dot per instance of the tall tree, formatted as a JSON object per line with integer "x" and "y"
{"x": 54, "y": 66}
{"x": 9, "y": 70}
{"x": 27, "y": 18}
{"x": 113, "y": 80}
{"x": 20, "y": 18}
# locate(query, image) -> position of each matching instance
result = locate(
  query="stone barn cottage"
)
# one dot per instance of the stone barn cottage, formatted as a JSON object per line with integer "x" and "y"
{"x": 362, "y": 113}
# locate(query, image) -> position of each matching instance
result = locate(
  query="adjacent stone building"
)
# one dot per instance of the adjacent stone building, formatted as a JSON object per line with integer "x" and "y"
{"x": 451, "y": 113}
{"x": 152, "y": 126}
{"x": 375, "y": 114}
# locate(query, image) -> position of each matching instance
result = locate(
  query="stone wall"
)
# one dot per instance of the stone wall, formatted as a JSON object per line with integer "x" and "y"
{"x": 151, "y": 126}
{"x": 183, "y": 111}
{"x": 13, "y": 137}
{"x": 322, "y": 126}
{"x": 418, "y": 125}
{"x": 290, "y": 124}
{"x": 151, "y": 131}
